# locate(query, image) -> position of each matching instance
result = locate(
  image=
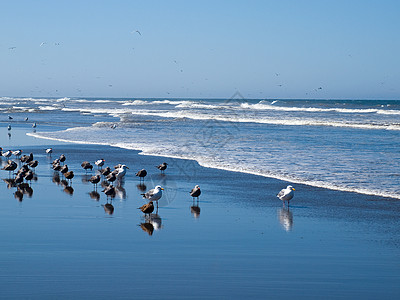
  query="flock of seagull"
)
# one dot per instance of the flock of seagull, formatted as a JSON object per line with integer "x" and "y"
{"x": 27, "y": 172}
{"x": 22, "y": 178}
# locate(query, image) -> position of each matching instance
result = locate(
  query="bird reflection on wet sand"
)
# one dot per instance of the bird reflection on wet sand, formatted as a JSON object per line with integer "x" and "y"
{"x": 26, "y": 189}
{"x": 147, "y": 227}
{"x": 56, "y": 178}
{"x": 141, "y": 187}
{"x": 69, "y": 190}
{"x": 195, "y": 209}
{"x": 94, "y": 195}
{"x": 285, "y": 218}
{"x": 19, "y": 195}
{"x": 108, "y": 208}
{"x": 9, "y": 182}
{"x": 152, "y": 222}
{"x": 120, "y": 192}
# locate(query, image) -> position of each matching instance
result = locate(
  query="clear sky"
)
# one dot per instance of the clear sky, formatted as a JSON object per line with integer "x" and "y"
{"x": 201, "y": 49}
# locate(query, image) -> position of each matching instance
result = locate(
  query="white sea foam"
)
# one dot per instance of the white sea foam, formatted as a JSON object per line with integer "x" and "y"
{"x": 75, "y": 136}
{"x": 267, "y": 106}
{"x": 271, "y": 121}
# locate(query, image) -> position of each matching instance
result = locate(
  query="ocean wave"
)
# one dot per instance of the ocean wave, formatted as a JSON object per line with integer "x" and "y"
{"x": 145, "y": 148}
{"x": 262, "y": 105}
{"x": 271, "y": 121}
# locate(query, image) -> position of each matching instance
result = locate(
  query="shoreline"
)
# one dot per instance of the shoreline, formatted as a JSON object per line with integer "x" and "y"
{"x": 281, "y": 178}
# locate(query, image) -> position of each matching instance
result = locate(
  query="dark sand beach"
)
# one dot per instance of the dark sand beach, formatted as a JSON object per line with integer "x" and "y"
{"x": 236, "y": 242}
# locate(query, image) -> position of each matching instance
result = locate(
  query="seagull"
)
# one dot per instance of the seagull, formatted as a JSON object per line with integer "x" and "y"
{"x": 62, "y": 158}
{"x": 195, "y": 192}
{"x": 10, "y": 118}
{"x": 154, "y": 194}
{"x": 137, "y": 32}
{"x": 49, "y": 151}
{"x": 109, "y": 191}
{"x": 99, "y": 162}
{"x": 11, "y": 166}
{"x": 121, "y": 171}
{"x": 162, "y": 167}
{"x": 42, "y": 44}
{"x": 26, "y": 119}
{"x": 34, "y": 125}
{"x": 87, "y": 165}
{"x": 106, "y": 171}
{"x": 69, "y": 175}
{"x": 33, "y": 164}
{"x": 95, "y": 179}
{"x": 286, "y": 194}
{"x": 111, "y": 177}
{"x": 17, "y": 153}
{"x": 64, "y": 169}
{"x": 27, "y": 158}
{"x": 142, "y": 174}
{"x": 9, "y": 127}
{"x": 7, "y": 153}
{"x": 147, "y": 208}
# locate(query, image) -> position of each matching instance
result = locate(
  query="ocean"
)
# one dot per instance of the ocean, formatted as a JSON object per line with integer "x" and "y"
{"x": 347, "y": 145}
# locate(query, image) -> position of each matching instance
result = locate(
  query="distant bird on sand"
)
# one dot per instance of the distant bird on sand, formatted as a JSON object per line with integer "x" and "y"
{"x": 95, "y": 179}
{"x": 9, "y": 127}
{"x": 64, "y": 169}
{"x": 7, "y": 154}
{"x": 33, "y": 164}
{"x": 62, "y": 158}
{"x": 106, "y": 171}
{"x": 27, "y": 158}
{"x": 10, "y": 118}
{"x": 109, "y": 191}
{"x": 34, "y": 125}
{"x": 195, "y": 192}
{"x": 49, "y": 150}
{"x": 162, "y": 167}
{"x": 154, "y": 194}
{"x": 286, "y": 194}
{"x": 147, "y": 208}
{"x": 121, "y": 171}
{"x": 69, "y": 175}
{"x": 111, "y": 177}
{"x": 141, "y": 174}
{"x": 17, "y": 153}
{"x": 113, "y": 126}
{"x": 11, "y": 166}
{"x": 99, "y": 163}
{"x": 86, "y": 166}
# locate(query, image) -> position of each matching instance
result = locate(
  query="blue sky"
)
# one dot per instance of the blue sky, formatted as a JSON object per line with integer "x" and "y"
{"x": 203, "y": 49}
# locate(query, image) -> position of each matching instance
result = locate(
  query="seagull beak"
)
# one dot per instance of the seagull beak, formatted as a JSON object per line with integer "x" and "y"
{"x": 127, "y": 167}
{"x": 162, "y": 188}
{"x": 293, "y": 189}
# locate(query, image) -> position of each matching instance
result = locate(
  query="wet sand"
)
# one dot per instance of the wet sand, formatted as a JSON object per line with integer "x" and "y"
{"x": 237, "y": 241}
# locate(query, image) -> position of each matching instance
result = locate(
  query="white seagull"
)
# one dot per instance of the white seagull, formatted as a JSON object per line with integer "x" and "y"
{"x": 154, "y": 194}
{"x": 286, "y": 194}
{"x": 121, "y": 171}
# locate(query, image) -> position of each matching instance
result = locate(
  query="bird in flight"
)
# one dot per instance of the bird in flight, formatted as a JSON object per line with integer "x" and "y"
{"x": 137, "y": 32}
